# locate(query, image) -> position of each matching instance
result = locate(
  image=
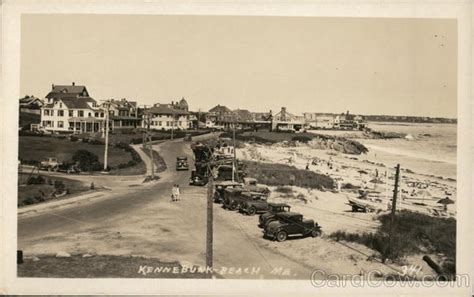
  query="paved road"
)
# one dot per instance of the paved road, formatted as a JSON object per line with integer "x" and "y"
{"x": 144, "y": 221}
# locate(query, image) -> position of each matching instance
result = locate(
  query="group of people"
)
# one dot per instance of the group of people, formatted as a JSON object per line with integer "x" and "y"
{"x": 175, "y": 193}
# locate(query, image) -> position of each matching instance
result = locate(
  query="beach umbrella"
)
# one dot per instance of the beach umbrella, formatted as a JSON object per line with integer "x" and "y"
{"x": 445, "y": 202}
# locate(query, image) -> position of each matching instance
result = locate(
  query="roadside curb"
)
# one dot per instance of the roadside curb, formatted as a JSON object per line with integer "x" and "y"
{"x": 59, "y": 203}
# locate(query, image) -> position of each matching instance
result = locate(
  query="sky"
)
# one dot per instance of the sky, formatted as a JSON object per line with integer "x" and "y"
{"x": 261, "y": 63}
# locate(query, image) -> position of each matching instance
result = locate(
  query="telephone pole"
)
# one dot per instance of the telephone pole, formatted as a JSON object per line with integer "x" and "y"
{"x": 234, "y": 162}
{"x": 106, "y": 151}
{"x": 209, "y": 229}
{"x": 394, "y": 208}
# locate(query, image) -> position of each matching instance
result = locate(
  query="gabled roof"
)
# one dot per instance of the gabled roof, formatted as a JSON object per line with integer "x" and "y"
{"x": 27, "y": 100}
{"x": 166, "y": 110}
{"x": 77, "y": 102}
{"x": 220, "y": 109}
{"x": 62, "y": 89}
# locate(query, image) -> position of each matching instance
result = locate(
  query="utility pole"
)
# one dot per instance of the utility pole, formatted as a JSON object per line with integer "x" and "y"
{"x": 150, "y": 146}
{"x": 209, "y": 229}
{"x": 394, "y": 208}
{"x": 145, "y": 118}
{"x": 234, "y": 162}
{"x": 106, "y": 151}
{"x": 172, "y": 122}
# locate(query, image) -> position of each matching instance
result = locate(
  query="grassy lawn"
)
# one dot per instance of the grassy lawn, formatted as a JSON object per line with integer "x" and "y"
{"x": 33, "y": 148}
{"x": 414, "y": 233}
{"x": 284, "y": 175}
{"x": 36, "y": 193}
{"x": 103, "y": 267}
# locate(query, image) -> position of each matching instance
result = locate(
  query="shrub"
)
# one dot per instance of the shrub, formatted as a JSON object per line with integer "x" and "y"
{"x": 59, "y": 186}
{"x": 413, "y": 233}
{"x": 86, "y": 160}
{"x": 35, "y": 180}
{"x": 302, "y": 138}
{"x": 284, "y": 175}
{"x": 73, "y": 138}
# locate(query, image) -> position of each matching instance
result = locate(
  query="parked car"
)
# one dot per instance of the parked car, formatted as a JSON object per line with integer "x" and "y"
{"x": 291, "y": 223}
{"x": 231, "y": 195}
{"x": 219, "y": 188}
{"x": 69, "y": 168}
{"x": 272, "y": 214}
{"x": 182, "y": 163}
{"x": 236, "y": 201}
{"x": 256, "y": 205}
{"x": 187, "y": 137}
{"x": 197, "y": 179}
{"x": 50, "y": 164}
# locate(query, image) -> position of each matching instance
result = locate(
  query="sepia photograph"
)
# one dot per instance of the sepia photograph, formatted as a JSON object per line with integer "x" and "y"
{"x": 238, "y": 147}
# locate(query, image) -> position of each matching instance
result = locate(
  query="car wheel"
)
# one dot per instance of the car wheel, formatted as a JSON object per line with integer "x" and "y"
{"x": 315, "y": 233}
{"x": 233, "y": 206}
{"x": 251, "y": 211}
{"x": 281, "y": 236}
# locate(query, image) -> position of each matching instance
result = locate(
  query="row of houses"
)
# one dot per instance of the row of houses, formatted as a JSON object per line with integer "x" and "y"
{"x": 71, "y": 109}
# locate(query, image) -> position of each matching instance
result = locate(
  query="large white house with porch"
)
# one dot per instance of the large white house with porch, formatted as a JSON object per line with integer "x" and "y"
{"x": 165, "y": 117}
{"x": 69, "y": 108}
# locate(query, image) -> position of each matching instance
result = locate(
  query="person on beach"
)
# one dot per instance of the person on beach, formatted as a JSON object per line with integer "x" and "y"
{"x": 178, "y": 192}
{"x": 174, "y": 193}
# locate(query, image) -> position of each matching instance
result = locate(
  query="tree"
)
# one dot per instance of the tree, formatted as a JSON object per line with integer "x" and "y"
{"x": 86, "y": 160}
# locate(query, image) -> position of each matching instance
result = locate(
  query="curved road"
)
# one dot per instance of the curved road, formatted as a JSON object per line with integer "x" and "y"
{"x": 141, "y": 220}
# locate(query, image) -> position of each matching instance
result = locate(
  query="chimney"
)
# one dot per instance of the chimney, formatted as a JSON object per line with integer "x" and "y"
{"x": 52, "y": 87}
{"x": 73, "y": 84}
{"x": 347, "y": 112}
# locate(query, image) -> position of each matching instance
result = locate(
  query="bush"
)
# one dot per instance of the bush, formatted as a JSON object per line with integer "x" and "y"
{"x": 59, "y": 186}
{"x": 38, "y": 180}
{"x": 284, "y": 175}
{"x": 73, "y": 138}
{"x": 302, "y": 138}
{"x": 413, "y": 233}
{"x": 86, "y": 160}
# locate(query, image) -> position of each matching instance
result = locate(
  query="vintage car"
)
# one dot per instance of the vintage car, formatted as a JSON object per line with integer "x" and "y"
{"x": 219, "y": 188}
{"x": 250, "y": 181}
{"x": 69, "y": 168}
{"x": 197, "y": 179}
{"x": 182, "y": 163}
{"x": 291, "y": 223}
{"x": 231, "y": 195}
{"x": 224, "y": 172}
{"x": 254, "y": 206}
{"x": 188, "y": 137}
{"x": 272, "y": 213}
{"x": 50, "y": 164}
{"x": 249, "y": 194}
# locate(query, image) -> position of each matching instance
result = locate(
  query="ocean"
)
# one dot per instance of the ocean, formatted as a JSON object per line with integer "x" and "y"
{"x": 428, "y": 148}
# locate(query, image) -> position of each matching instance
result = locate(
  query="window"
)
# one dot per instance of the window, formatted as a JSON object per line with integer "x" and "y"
{"x": 60, "y": 113}
{"x": 167, "y": 123}
{"x": 52, "y": 112}
{"x": 101, "y": 114}
{"x": 160, "y": 123}
{"x": 96, "y": 114}
{"x": 46, "y": 112}
{"x": 179, "y": 123}
{"x": 90, "y": 114}
{"x": 60, "y": 105}
{"x": 60, "y": 124}
{"x": 71, "y": 113}
{"x": 81, "y": 113}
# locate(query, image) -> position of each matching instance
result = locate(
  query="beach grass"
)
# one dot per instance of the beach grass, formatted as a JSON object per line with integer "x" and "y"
{"x": 285, "y": 175}
{"x": 413, "y": 233}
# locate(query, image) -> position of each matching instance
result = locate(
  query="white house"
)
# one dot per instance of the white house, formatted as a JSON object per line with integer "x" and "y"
{"x": 70, "y": 109}
{"x": 162, "y": 117}
{"x": 123, "y": 114}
